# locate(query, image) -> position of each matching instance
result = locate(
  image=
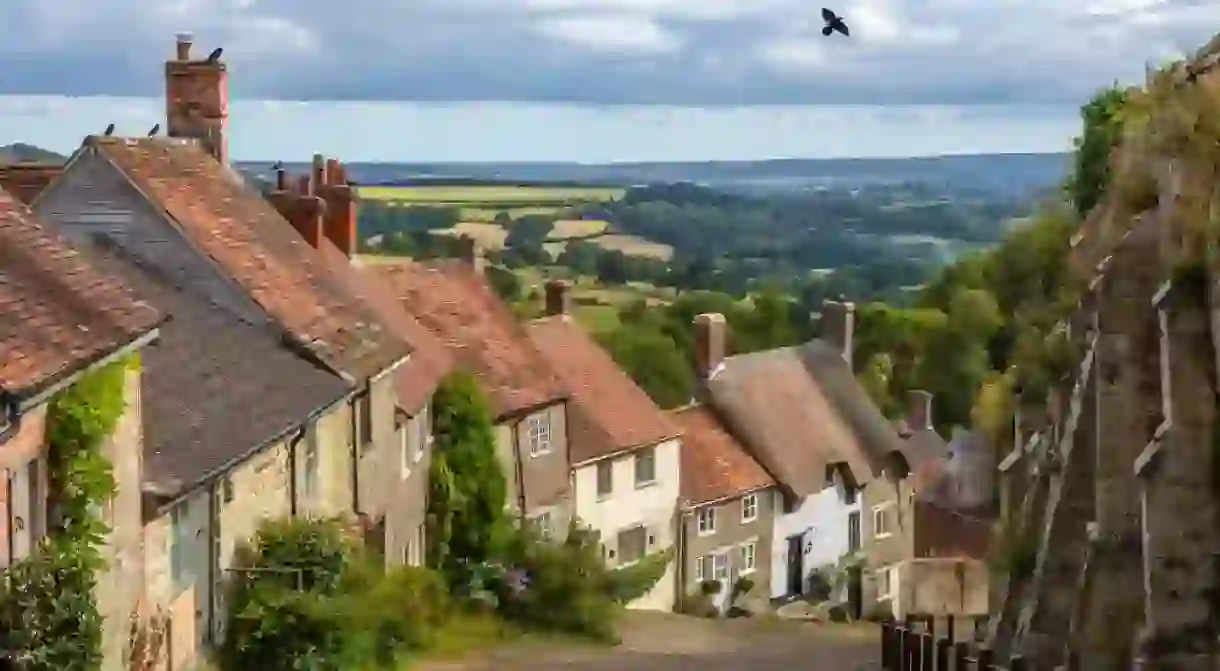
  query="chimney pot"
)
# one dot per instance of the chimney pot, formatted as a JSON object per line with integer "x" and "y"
{"x": 184, "y": 42}
{"x": 281, "y": 179}
{"x": 558, "y": 298}
{"x": 333, "y": 172}
{"x": 919, "y": 410}
{"x": 305, "y": 185}
{"x": 472, "y": 255}
{"x": 319, "y": 171}
{"x": 838, "y": 326}
{"x": 710, "y": 336}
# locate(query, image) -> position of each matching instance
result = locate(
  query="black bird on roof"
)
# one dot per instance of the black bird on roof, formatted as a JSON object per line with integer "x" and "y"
{"x": 155, "y": 129}
{"x": 834, "y": 22}
{"x": 109, "y": 130}
{"x": 215, "y": 55}
{"x": 278, "y": 165}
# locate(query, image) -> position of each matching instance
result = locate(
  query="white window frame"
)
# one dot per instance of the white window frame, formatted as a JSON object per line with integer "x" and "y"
{"x": 880, "y": 512}
{"x": 404, "y": 447}
{"x": 749, "y": 557}
{"x": 608, "y": 465}
{"x": 538, "y": 434}
{"x": 310, "y": 465}
{"x": 705, "y": 520}
{"x": 544, "y": 524}
{"x": 699, "y": 569}
{"x": 425, "y": 432}
{"x": 721, "y": 566}
{"x": 650, "y": 453}
{"x": 887, "y": 579}
{"x": 749, "y": 508}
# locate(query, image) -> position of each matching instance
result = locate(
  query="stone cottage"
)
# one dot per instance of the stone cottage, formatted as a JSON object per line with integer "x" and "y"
{"x": 624, "y": 452}
{"x": 802, "y": 415}
{"x": 728, "y": 511}
{"x": 61, "y": 319}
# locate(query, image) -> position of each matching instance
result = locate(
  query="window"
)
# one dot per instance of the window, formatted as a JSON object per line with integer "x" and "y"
{"x": 881, "y": 521}
{"x": 887, "y": 580}
{"x": 699, "y": 562}
{"x": 720, "y": 567}
{"x": 849, "y": 495}
{"x": 413, "y": 553}
{"x": 853, "y": 532}
{"x": 404, "y": 446}
{"x": 632, "y": 544}
{"x": 177, "y": 547}
{"x": 424, "y": 420}
{"x": 749, "y": 555}
{"x": 645, "y": 467}
{"x": 542, "y": 523}
{"x": 538, "y": 434}
{"x": 707, "y": 520}
{"x": 364, "y": 417}
{"x": 226, "y": 489}
{"x": 749, "y": 508}
{"x": 605, "y": 478}
{"x": 309, "y": 465}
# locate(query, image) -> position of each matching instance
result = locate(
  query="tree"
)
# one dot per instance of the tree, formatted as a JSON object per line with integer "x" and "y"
{"x": 653, "y": 361}
{"x": 467, "y": 488}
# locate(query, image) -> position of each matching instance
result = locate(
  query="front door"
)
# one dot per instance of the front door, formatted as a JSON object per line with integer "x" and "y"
{"x": 796, "y": 565}
{"x": 855, "y": 592}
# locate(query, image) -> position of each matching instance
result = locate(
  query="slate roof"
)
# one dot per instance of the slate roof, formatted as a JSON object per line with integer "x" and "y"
{"x": 417, "y": 378}
{"x": 608, "y": 413}
{"x": 480, "y": 332}
{"x": 243, "y": 233}
{"x": 57, "y": 312}
{"x": 800, "y": 409}
{"x": 715, "y": 465}
{"x": 215, "y": 389}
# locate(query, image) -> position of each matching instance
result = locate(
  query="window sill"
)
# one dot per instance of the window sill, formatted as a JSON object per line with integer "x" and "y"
{"x": 746, "y": 571}
{"x": 645, "y": 485}
{"x": 748, "y": 520}
{"x": 884, "y": 535}
{"x": 706, "y": 533}
{"x": 602, "y": 498}
{"x": 543, "y": 453}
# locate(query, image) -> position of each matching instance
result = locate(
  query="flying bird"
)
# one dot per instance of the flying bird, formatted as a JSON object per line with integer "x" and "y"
{"x": 215, "y": 55}
{"x": 834, "y": 22}
{"x": 155, "y": 129}
{"x": 109, "y": 130}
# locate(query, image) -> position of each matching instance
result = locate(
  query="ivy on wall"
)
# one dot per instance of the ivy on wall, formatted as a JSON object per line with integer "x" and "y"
{"x": 49, "y": 618}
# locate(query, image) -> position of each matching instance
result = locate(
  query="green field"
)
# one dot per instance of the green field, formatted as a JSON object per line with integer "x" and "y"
{"x": 474, "y": 195}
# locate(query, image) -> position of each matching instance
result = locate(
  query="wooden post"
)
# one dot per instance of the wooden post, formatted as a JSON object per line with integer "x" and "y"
{"x": 1073, "y": 661}
{"x": 887, "y": 645}
{"x": 927, "y": 649}
{"x": 900, "y": 648}
{"x": 950, "y": 624}
{"x": 1017, "y": 663}
{"x": 986, "y": 660}
{"x": 943, "y": 647}
{"x": 961, "y": 656}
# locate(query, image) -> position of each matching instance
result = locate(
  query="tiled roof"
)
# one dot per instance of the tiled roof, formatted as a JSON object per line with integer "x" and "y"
{"x": 27, "y": 180}
{"x": 714, "y": 465}
{"x": 243, "y": 233}
{"x": 608, "y": 412}
{"x": 378, "y": 286}
{"x": 215, "y": 389}
{"x": 800, "y": 409}
{"x": 480, "y": 332}
{"x": 57, "y": 313}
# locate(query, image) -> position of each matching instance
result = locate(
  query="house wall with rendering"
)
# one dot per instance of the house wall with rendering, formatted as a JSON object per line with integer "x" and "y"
{"x": 820, "y": 523}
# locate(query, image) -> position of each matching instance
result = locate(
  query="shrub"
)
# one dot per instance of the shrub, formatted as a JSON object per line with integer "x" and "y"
{"x": 566, "y": 586}
{"x": 632, "y": 582}
{"x": 698, "y": 604}
{"x": 710, "y": 587}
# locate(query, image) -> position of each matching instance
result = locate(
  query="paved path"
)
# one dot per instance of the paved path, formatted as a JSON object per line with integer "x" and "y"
{"x": 655, "y": 642}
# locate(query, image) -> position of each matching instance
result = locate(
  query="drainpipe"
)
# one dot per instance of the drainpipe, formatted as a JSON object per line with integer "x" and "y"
{"x": 364, "y": 395}
{"x": 292, "y": 469}
{"x": 680, "y": 543}
{"x": 10, "y": 419}
{"x": 520, "y": 468}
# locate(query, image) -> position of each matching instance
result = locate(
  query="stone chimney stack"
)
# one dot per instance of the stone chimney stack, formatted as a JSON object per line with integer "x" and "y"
{"x": 472, "y": 255}
{"x": 838, "y": 326}
{"x": 711, "y": 335}
{"x": 197, "y": 99}
{"x": 558, "y": 298}
{"x": 919, "y": 410}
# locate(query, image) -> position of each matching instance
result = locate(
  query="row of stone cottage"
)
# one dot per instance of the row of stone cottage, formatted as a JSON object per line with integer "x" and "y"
{"x": 280, "y": 376}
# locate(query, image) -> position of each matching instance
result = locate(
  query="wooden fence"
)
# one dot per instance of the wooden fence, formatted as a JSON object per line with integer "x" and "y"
{"x": 915, "y": 646}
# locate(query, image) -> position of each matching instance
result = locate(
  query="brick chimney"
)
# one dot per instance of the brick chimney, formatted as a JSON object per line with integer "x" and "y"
{"x": 300, "y": 206}
{"x": 330, "y": 184}
{"x": 472, "y": 255}
{"x": 838, "y": 326}
{"x": 711, "y": 334}
{"x": 197, "y": 99}
{"x": 919, "y": 410}
{"x": 558, "y": 298}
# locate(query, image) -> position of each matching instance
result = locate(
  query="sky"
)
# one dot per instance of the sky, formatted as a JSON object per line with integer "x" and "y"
{"x": 593, "y": 80}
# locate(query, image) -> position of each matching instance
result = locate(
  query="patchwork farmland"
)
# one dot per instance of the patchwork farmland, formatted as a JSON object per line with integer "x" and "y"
{"x": 487, "y": 211}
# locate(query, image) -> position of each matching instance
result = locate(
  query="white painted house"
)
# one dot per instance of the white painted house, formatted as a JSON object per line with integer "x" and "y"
{"x": 802, "y": 415}
{"x": 624, "y": 451}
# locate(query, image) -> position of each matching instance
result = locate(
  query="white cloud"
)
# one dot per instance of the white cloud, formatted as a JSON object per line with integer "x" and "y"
{"x": 614, "y": 33}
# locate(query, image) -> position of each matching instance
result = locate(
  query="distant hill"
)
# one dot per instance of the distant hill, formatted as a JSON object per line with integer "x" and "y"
{"x": 19, "y": 152}
{"x": 1000, "y": 174}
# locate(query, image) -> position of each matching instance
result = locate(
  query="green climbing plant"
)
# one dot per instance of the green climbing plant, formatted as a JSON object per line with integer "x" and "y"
{"x": 49, "y": 618}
